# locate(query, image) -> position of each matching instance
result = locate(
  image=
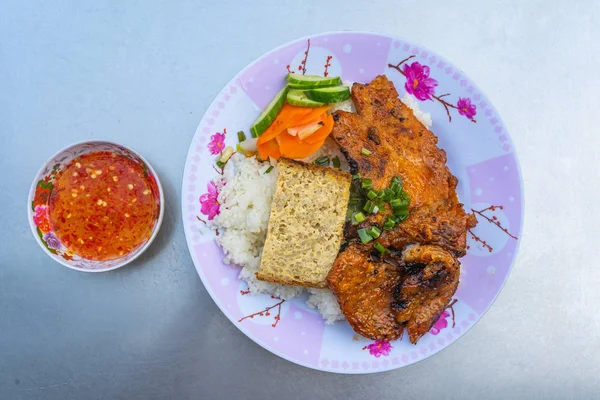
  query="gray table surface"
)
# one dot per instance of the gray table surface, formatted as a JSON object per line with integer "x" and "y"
{"x": 143, "y": 72}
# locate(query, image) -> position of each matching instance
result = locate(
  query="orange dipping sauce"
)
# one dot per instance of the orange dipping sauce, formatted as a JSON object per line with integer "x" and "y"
{"x": 103, "y": 205}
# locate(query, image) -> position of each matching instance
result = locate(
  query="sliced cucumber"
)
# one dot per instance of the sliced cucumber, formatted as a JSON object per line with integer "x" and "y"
{"x": 329, "y": 95}
{"x": 303, "y": 86}
{"x": 268, "y": 115}
{"x": 298, "y": 98}
{"x": 298, "y": 81}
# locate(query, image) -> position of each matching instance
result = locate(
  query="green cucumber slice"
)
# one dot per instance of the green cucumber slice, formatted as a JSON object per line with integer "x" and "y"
{"x": 329, "y": 95}
{"x": 298, "y": 81}
{"x": 298, "y": 98}
{"x": 268, "y": 115}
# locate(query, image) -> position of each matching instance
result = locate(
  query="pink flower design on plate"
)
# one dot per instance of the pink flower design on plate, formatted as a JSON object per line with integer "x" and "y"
{"x": 466, "y": 108}
{"x": 217, "y": 143}
{"x": 40, "y": 214}
{"x": 208, "y": 201}
{"x": 440, "y": 324}
{"x": 379, "y": 348}
{"x": 418, "y": 83}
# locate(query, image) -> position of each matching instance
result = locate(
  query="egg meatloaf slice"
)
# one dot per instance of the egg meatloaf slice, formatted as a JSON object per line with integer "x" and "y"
{"x": 305, "y": 224}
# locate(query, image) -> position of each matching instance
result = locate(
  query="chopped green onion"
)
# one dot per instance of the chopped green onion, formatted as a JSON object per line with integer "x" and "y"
{"x": 368, "y": 206}
{"x": 374, "y": 231}
{"x": 379, "y": 247}
{"x": 389, "y": 224}
{"x": 401, "y": 212}
{"x": 396, "y": 186}
{"x": 384, "y": 194}
{"x": 367, "y": 184}
{"x": 404, "y": 196}
{"x": 359, "y": 217}
{"x": 357, "y": 176}
{"x": 395, "y": 203}
{"x": 371, "y": 195}
{"x": 364, "y": 236}
{"x": 239, "y": 149}
{"x": 336, "y": 162}
{"x": 269, "y": 169}
{"x": 241, "y": 136}
{"x": 400, "y": 205}
{"x": 371, "y": 207}
{"x": 323, "y": 161}
{"x": 220, "y": 164}
{"x": 354, "y": 199}
{"x": 401, "y": 218}
{"x": 226, "y": 155}
{"x": 365, "y": 152}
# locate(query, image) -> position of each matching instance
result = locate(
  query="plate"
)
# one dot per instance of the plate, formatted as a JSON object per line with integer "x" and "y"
{"x": 480, "y": 153}
{"x": 39, "y": 195}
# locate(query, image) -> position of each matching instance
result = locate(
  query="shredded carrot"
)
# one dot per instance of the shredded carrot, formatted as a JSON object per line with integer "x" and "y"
{"x": 269, "y": 149}
{"x": 323, "y": 132}
{"x": 289, "y": 117}
{"x": 294, "y": 148}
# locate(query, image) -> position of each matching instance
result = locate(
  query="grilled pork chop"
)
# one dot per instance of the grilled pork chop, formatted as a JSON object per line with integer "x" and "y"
{"x": 400, "y": 145}
{"x": 365, "y": 291}
{"x": 430, "y": 280}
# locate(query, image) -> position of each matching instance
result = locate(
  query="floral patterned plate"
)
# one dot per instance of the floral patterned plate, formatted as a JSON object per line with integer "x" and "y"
{"x": 480, "y": 153}
{"x": 39, "y": 194}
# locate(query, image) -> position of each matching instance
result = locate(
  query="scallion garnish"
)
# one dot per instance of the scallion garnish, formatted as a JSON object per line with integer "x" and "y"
{"x": 395, "y": 203}
{"x": 241, "y": 136}
{"x": 401, "y": 213}
{"x": 336, "y": 162}
{"x": 371, "y": 195}
{"x": 400, "y": 206}
{"x": 220, "y": 164}
{"x": 379, "y": 247}
{"x": 389, "y": 224}
{"x": 374, "y": 232}
{"x": 401, "y": 218}
{"x": 365, "y": 152}
{"x": 364, "y": 236}
{"x": 367, "y": 184}
{"x": 371, "y": 207}
{"x": 323, "y": 161}
{"x": 269, "y": 169}
{"x": 355, "y": 199}
{"x": 388, "y": 194}
{"x": 357, "y": 176}
{"x": 396, "y": 186}
{"x": 359, "y": 217}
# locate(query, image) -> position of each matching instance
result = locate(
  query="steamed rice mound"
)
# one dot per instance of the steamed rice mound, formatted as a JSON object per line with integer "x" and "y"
{"x": 245, "y": 194}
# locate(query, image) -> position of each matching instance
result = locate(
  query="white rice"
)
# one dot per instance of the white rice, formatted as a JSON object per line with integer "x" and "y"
{"x": 411, "y": 102}
{"x": 245, "y": 194}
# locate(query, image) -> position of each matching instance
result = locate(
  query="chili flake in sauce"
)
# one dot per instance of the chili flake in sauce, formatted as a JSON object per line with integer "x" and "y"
{"x": 103, "y": 205}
